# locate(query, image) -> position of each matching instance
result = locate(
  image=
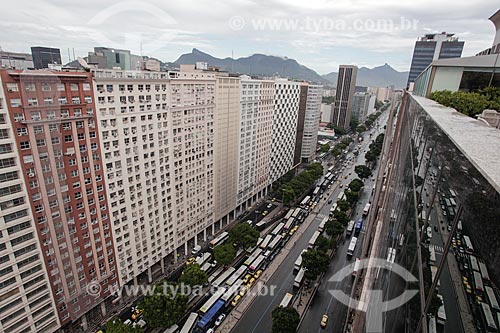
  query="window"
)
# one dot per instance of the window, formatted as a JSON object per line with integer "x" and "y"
{"x": 9, "y": 190}
{"x": 12, "y": 87}
{"x": 24, "y": 145}
{"x": 32, "y": 101}
{"x": 30, "y": 87}
{"x": 55, "y": 140}
{"x": 5, "y": 148}
{"x": 53, "y": 128}
{"x": 15, "y": 102}
{"x": 7, "y": 162}
{"x": 40, "y": 142}
{"x": 86, "y": 86}
{"x": 73, "y": 86}
{"x": 38, "y": 129}
{"x": 68, "y": 138}
{"x": 81, "y": 136}
{"x": 35, "y": 115}
{"x": 4, "y": 133}
{"x": 60, "y": 87}
{"x": 22, "y": 131}
{"x": 46, "y": 87}
{"x": 75, "y": 100}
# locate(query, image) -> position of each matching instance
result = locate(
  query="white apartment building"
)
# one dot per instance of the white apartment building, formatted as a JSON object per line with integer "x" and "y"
{"x": 255, "y": 139}
{"x": 26, "y": 301}
{"x": 311, "y": 122}
{"x": 157, "y": 137}
{"x": 285, "y": 115}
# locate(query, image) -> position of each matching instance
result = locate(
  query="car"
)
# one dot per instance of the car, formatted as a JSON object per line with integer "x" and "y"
{"x": 269, "y": 206}
{"x": 246, "y": 278}
{"x": 257, "y": 274}
{"x": 324, "y": 321}
{"x": 220, "y": 319}
{"x": 330, "y": 201}
{"x": 190, "y": 260}
{"x": 449, "y": 227}
{"x": 273, "y": 199}
{"x": 427, "y": 205}
{"x": 461, "y": 249}
{"x": 466, "y": 266}
{"x": 264, "y": 213}
{"x": 210, "y": 330}
{"x": 251, "y": 282}
{"x": 236, "y": 300}
{"x": 436, "y": 228}
{"x": 290, "y": 233}
{"x": 214, "y": 263}
{"x": 196, "y": 249}
{"x": 341, "y": 185}
{"x": 243, "y": 291}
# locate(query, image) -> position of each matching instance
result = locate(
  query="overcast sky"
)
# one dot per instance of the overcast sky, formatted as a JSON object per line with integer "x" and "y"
{"x": 320, "y": 34}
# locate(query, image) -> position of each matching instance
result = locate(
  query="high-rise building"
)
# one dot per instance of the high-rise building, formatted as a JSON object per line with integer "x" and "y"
{"x": 342, "y": 108}
{"x": 311, "y": 122}
{"x": 110, "y": 58}
{"x": 362, "y": 105}
{"x": 284, "y": 130}
{"x": 43, "y": 56}
{"x": 53, "y": 117}
{"x": 432, "y": 47}
{"x": 326, "y": 113}
{"x": 301, "y": 116}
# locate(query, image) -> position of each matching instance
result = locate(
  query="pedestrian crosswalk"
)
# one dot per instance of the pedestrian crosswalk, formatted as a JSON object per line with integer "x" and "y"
{"x": 321, "y": 216}
{"x": 437, "y": 248}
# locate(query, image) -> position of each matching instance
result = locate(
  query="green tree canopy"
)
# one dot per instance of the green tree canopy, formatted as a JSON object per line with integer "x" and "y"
{"x": 352, "y": 197}
{"x": 244, "y": 236}
{"x": 363, "y": 171}
{"x": 356, "y": 185}
{"x": 343, "y": 205}
{"x": 163, "y": 308}
{"x": 322, "y": 244}
{"x": 225, "y": 253}
{"x": 325, "y": 148}
{"x": 285, "y": 320}
{"x": 361, "y": 128}
{"x": 341, "y": 217}
{"x": 315, "y": 262}
{"x": 116, "y": 326}
{"x": 193, "y": 275}
{"x": 333, "y": 228}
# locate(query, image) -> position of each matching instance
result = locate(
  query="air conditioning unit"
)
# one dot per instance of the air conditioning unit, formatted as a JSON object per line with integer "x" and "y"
{"x": 31, "y": 175}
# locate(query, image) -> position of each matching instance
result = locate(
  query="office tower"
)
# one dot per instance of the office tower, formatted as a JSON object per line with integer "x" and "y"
{"x": 326, "y": 113}
{"x": 362, "y": 105}
{"x": 110, "y": 58}
{"x": 342, "y": 108}
{"x": 256, "y": 121}
{"x": 43, "y": 56}
{"x": 285, "y": 117}
{"x": 299, "y": 133}
{"x": 311, "y": 122}
{"x": 52, "y": 116}
{"x": 432, "y": 47}
{"x": 13, "y": 60}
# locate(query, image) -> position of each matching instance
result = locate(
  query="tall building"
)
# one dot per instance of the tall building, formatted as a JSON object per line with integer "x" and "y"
{"x": 432, "y": 47}
{"x": 342, "y": 108}
{"x": 53, "y": 116}
{"x": 326, "y": 113}
{"x": 301, "y": 116}
{"x": 106, "y": 57}
{"x": 284, "y": 130}
{"x": 495, "y": 48}
{"x": 43, "y": 56}
{"x": 13, "y": 60}
{"x": 311, "y": 122}
{"x": 363, "y": 104}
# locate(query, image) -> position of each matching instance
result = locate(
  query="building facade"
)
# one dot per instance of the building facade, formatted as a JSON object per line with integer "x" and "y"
{"x": 53, "y": 116}
{"x": 342, "y": 107}
{"x": 432, "y": 47}
{"x": 311, "y": 122}
{"x": 43, "y": 56}
{"x": 362, "y": 105}
{"x": 13, "y": 60}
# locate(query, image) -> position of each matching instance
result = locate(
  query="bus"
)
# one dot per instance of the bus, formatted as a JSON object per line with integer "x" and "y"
{"x": 359, "y": 226}
{"x": 236, "y": 275}
{"x": 453, "y": 203}
{"x": 366, "y": 209}
{"x": 434, "y": 273}
{"x": 265, "y": 242}
{"x": 352, "y": 247}
{"x": 206, "y": 267}
{"x": 261, "y": 225}
{"x": 305, "y": 202}
{"x": 432, "y": 325}
{"x": 341, "y": 196}
{"x": 432, "y": 255}
{"x": 492, "y": 298}
{"x": 350, "y": 228}
{"x": 322, "y": 224}
{"x": 459, "y": 226}
{"x": 316, "y": 191}
{"x": 298, "y": 262}
{"x": 256, "y": 264}
{"x": 489, "y": 322}
{"x": 273, "y": 245}
{"x": 296, "y": 213}
{"x": 330, "y": 169}
{"x": 441, "y": 315}
{"x": 286, "y": 300}
{"x": 356, "y": 267}
{"x": 190, "y": 323}
{"x": 289, "y": 224}
{"x": 254, "y": 256}
{"x": 172, "y": 329}
{"x": 478, "y": 282}
{"x": 473, "y": 263}
{"x": 211, "y": 301}
{"x": 484, "y": 271}
{"x": 204, "y": 257}
{"x": 391, "y": 256}
{"x": 423, "y": 216}
{"x": 277, "y": 229}
{"x": 332, "y": 209}
{"x": 219, "y": 240}
{"x": 299, "y": 278}
{"x": 313, "y": 239}
{"x": 288, "y": 214}
{"x": 468, "y": 244}
{"x": 215, "y": 274}
{"x": 223, "y": 277}
{"x": 401, "y": 240}
{"x": 208, "y": 318}
{"x": 231, "y": 291}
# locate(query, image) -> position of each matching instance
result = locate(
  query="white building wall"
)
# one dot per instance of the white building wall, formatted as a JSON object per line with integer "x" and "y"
{"x": 26, "y": 301}
{"x": 311, "y": 121}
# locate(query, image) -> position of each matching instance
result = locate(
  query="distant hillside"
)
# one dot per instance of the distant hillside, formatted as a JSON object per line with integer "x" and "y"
{"x": 257, "y": 64}
{"x": 381, "y": 76}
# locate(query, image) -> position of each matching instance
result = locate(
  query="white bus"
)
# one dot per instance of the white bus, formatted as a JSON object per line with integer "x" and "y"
{"x": 341, "y": 196}
{"x": 432, "y": 324}
{"x": 478, "y": 282}
{"x": 313, "y": 239}
{"x": 434, "y": 273}
{"x": 316, "y": 191}
{"x": 356, "y": 267}
{"x": 468, "y": 244}
{"x": 206, "y": 266}
{"x": 432, "y": 252}
{"x": 441, "y": 316}
{"x": 492, "y": 298}
{"x": 215, "y": 274}
{"x": 391, "y": 257}
{"x": 253, "y": 256}
{"x": 219, "y": 240}
{"x": 274, "y": 243}
{"x": 484, "y": 271}
{"x": 350, "y": 228}
{"x": 288, "y": 214}
{"x": 289, "y": 224}
{"x": 299, "y": 278}
{"x": 366, "y": 209}
{"x": 223, "y": 277}
{"x": 488, "y": 318}
{"x": 305, "y": 202}
{"x": 211, "y": 301}
{"x": 286, "y": 300}
{"x": 352, "y": 247}
{"x": 296, "y": 212}
{"x": 298, "y": 262}
{"x": 204, "y": 257}
{"x": 453, "y": 193}
{"x": 190, "y": 323}
{"x": 231, "y": 291}
{"x": 473, "y": 263}
{"x": 256, "y": 264}
{"x": 236, "y": 275}
{"x": 172, "y": 329}
{"x": 322, "y": 224}
{"x": 401, "y": 240}
{"x": 265, "y": 242}
{"x": 277, "y": 229}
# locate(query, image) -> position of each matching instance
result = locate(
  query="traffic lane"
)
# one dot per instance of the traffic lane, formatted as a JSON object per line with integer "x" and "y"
{"x": 258, "y": 315}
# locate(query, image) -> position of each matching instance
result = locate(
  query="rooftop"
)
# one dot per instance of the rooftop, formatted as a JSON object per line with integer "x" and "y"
{"x": 485, "y": 61}
{"x": 475, "y": 140}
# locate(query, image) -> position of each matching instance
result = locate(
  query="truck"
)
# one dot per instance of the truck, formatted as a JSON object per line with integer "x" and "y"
{"x": 350, "y": 228}
{"x": 359, "y": 226}
{"x": 366, "y": 209}
{"x": 352, "y": 247}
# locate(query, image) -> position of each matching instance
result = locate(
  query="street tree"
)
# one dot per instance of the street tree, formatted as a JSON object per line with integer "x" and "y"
{"x": 341, "y": 217}
{"x": 356, "y": 185}
{"x": 333, "y": 228}
{"x": 363, "y": 171}
{"x": 351, "y": 197}
{"x": 315, "y": 262}
{"x": 322, "y": 244}
{"x": 193, "y": 275}
{"x": 285, "y": 320}
{"x": 244, "y": 236}
{"x": 164, "y": 307}
{"x": 343, "y": 205}
{"x": 225, "y": 253}
{"x": 115, "y": 325}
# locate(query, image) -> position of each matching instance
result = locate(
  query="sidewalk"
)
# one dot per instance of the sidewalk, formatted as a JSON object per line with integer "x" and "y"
{"x": 246, "y": 301}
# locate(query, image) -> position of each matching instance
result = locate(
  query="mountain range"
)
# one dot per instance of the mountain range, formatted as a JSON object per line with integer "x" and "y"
{"x": 266, "y": 65}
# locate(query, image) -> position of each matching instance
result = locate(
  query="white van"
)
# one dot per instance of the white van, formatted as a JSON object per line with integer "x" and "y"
{"x": 196, "y": 249}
